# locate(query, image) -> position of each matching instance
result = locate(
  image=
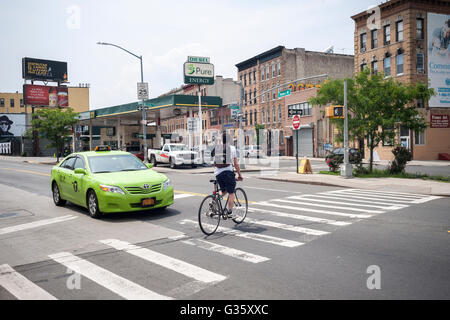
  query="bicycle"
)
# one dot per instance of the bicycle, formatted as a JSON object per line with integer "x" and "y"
{"x": 211, "y": 209}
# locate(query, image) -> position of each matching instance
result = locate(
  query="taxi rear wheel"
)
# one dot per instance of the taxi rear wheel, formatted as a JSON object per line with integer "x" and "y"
{"x": 57, "y": 196}
{"x": 92, "y": 203}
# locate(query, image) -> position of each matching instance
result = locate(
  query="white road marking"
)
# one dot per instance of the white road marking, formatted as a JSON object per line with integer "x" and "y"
{"x": 287, "y": 227}
{"x": 121, "y": 286}
{"x": 388, "y": 193}
{"x": 364, "y": 197}
{"x": 300, "y": 217}
{"x": 35, "y": 224}
{"x": 305, "y": 203}
{"x": 308, "y": 198}
{"x": 374, "y": 196}
{"x": 359, "y": 200}
{"x": 234, "y": 253}
{"x": 334, "y": 213}
{"x": 253, "y": 236}
{"x": 173, "y": 264}
{"x": 426, "y": 199}
{"x": 21, "y": 287}
{"x": 182, "y": 195}
{"x": 276, "y": 190}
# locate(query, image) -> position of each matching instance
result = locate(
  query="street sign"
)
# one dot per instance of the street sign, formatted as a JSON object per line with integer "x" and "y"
{"x": 198, "y": 59}
{"x": 193, "y": 124}
{"x": 293, "y": 112}
{"x": 198, "y": 73}
{"x": 233, "y": 107}
{"x": 284, "y": 93}
{"x": 296, "y": 122}
{"x": 142, "y": 89}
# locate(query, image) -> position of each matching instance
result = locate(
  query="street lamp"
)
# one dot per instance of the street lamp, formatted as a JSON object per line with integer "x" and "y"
{"x": 144, "y": 116}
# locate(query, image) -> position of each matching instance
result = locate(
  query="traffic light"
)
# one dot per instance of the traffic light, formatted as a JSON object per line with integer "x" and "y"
{"x": 335, "y": 112}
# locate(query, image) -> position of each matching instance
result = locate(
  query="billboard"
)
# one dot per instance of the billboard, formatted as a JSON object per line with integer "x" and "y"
{"x": 12, "y": 125}
{"x": 439, "y": 58}
{"x": 44, "y": 70}
{"x": 46, "y": 96}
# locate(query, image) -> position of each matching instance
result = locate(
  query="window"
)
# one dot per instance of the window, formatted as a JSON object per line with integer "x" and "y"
{"x": 279, "y": 68}
{"x": 21, "y": 103}
{"x": 246, "y": 117}
{"x": 262, "y": 97}
{"x": 374, "y": 39}
{"x": 245, "y": 97}
{"x": 375, "y": 67}
{"x": 11, "y": 101}
{"x": 419, "y": 138}
{"x": 363, "y": 42}
{"x": 249, "y": 78}
{"x": 267, "y": 72}
{"x": 254, "y": 75}
{"x": 79, "y": 164}
{"x": 387, "y": 35}
{"x": 399, "y": 31}
{"x": 256, "y": 117}
{"x": 400, "y": 64}
{"x": 268, "y": 115}
{"x": 279, "y": 113}
{"x": 263, "y": 116}
{"x": 363, "y": 66}
{"x": 387, "y": 66}
{"x": 249, "y": 97}
{"x": 274, "y": 94}
{"x": 254, "y": 97}
{"x": 420, "y": 63}
{"x": 251, "y": 118}
{"x": 2, "y": 102}
{"x": 245, "y": 80}
{"x": 262, "y": 74}
{"x": 273, "y": 70}
{"x": 68, "y": 164}
{"x": 274, "y": 115}
{"x": 420, "y": 34}
{"x": 388, "y": 136}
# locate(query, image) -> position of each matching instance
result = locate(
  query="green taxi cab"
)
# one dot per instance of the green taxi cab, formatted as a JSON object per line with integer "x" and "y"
{"x": 105, "y": 181}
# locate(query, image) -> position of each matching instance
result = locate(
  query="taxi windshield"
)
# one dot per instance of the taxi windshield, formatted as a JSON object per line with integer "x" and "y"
{"x": 115, "y": 163}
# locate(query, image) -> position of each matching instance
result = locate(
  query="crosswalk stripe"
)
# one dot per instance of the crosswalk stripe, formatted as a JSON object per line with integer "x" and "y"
{"x": 359, "y": 200}
{"x": 253, "y": 236}
{"x": 305, "y": 203}
{"x": 389, "y": 193}
{"x": 426, "y": 199}
{"x": 181, "y": 196}
{"x": 21, "y": 287}
{"x": 373, "y": 196}
{"x": 385, "y": 196}
{"x": 234, "y": 253}
{"x": 366, "y": 197}
{"x": 173, "y": 264}
{"x": 308, "y": 198}
{"x": 287, "y": 227}
{"x": 35, "y": 224}
{"x": 121, "y": 286}
{"x": 300, "y": 217}
{"x": 334, "y": 213}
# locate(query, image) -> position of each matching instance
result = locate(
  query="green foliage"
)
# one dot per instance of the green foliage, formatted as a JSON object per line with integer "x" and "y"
{"x": 55, "y": 125}
{"x": 375, "y": 103}
{"x": 402, "y": 156}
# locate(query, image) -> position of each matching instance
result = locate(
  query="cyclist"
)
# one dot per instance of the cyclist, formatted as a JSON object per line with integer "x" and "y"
{"x": 225, "y": 157}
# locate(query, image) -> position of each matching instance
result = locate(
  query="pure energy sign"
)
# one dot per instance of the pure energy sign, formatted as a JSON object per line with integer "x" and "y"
{"x": 198, "y": 73}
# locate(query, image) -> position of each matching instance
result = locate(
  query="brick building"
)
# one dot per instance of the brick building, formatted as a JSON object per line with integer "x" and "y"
{"x": 399, "y": 44}
{"x": 266, "y": 75}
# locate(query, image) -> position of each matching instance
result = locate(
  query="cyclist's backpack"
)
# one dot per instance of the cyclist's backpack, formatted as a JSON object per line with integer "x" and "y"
{"x": 222, "y": 156}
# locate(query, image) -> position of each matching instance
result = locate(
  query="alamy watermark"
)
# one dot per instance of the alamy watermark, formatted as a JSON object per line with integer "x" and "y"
{"x": 374, "y": 20}
{"x": 74, "y": 280}
{"x": 73, "y": 21}
{"x": 374, "y": 280}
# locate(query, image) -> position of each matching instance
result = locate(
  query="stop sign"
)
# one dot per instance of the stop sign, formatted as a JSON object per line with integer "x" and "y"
{"x": 296, "y": 122}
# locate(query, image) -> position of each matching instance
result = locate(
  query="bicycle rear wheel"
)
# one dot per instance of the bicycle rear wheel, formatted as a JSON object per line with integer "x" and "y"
{"x": 209, "y": 215}
{"x": 240, "y": 209}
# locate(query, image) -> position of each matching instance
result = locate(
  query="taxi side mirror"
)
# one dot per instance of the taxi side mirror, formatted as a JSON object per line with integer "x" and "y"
{"x": 80, "y": 171}
{"x": 149, "y": 165}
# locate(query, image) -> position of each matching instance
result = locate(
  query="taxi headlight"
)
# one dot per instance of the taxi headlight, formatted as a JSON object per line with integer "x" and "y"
{"x": 111, "y": 189}
{"x": 167, "y": 184}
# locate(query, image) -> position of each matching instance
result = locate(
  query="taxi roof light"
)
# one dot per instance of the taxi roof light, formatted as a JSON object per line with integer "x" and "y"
{"x": 102, "y": 148}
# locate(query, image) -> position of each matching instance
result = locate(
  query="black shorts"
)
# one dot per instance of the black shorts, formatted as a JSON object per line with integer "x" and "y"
{"x": 227, "y": 181}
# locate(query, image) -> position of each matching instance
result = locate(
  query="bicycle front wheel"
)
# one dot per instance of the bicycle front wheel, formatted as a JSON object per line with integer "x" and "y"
{"x": 240, "y": 209}
{"x": 209, "y": 215}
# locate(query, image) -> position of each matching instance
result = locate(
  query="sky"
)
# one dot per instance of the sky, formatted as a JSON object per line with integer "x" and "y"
{"x": 164, "y": 33}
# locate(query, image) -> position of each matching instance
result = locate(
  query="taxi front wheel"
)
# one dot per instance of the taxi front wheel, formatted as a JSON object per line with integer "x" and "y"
{"x": 92, "y": 202}
{"x": 57, "y": 196}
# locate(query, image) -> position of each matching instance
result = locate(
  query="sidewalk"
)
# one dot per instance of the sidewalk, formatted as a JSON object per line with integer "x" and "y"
{"x": 419, "y": 186}
{"x": 34, "y": 160}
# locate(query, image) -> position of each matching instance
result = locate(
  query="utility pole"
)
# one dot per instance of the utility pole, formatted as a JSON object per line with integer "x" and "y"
{"x": 241, "y": 133}
{"x": 200, "y": 116}
{"x": 347, "y": 168}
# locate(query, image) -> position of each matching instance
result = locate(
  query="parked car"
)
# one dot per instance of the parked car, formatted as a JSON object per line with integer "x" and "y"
{"x": 252, "y": 151}
{"x": 175, "y": 154}
{"x": 354, "y": 154}
{"x": 135, "y": 151}
{"x": 106, "y": 181}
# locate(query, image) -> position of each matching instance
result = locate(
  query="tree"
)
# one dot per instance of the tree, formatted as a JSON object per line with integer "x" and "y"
{"x": 55, "y": 125}
{"x": 376, "y": 106}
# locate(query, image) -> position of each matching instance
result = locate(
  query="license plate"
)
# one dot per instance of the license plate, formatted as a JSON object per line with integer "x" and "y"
{"x": 148, "y": 202}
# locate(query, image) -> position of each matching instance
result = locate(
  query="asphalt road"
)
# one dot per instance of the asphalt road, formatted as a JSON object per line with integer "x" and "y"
{"x": 299, "y": 242}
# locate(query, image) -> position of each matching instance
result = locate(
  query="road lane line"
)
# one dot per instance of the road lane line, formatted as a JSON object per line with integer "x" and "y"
{"x": 173, "y": 264}
{"x": 287, "y": 227}
{"x": 121, "y": 286}
{"x": 305, "y": 203}
{"x": 182, "y": 196}
{"x": 300, "y": 217}
{"x": 27, "y": 171}
{"x": 253, "y": 236}
{"x": 200, "y": 194}
{"x": 426, "y": 199}
{"x": 21, "y": 287}
{"x": 308, "y": 198}
{"x": 334, "y": 213}
{"x": 234, "y": 253}
{"x": 36, "y": 224}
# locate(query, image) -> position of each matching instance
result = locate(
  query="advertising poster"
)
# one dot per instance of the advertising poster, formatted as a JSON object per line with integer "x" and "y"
{"x": 37, "y": 69}
{"x": 439, "y": 58}
{"x": 12, "y": 125}
{"x": 46, "y": 96}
